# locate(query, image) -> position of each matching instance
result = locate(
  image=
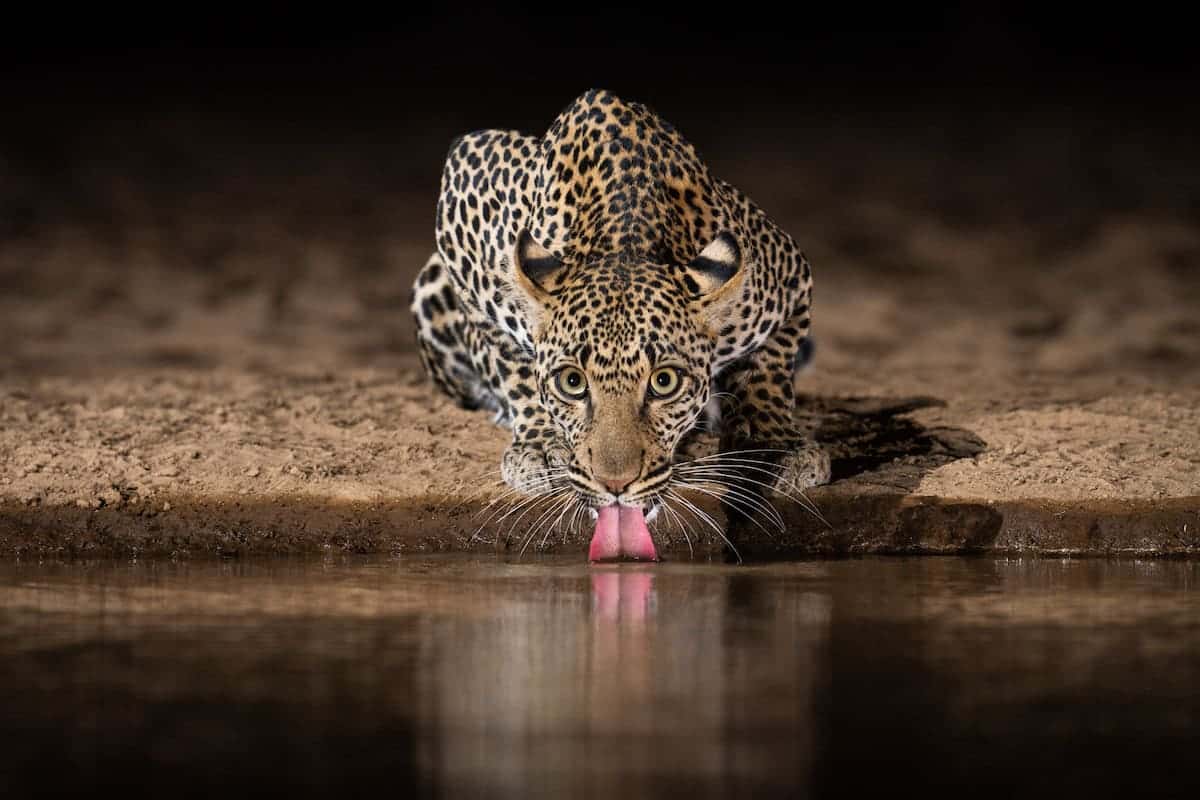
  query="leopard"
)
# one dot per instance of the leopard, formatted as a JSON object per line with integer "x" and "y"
{"x": 606, "y": 297}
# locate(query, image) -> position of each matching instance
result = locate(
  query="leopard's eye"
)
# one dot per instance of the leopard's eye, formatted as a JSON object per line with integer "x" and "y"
{"x": 570, "y": 383}
{"x": 665, "y": 382}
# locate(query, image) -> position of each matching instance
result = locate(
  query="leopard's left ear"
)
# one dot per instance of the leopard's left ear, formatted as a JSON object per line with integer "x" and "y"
{"x": 534, "y": 267}
{"x": 715, "y": 277}
{"x": 532, "y": 271}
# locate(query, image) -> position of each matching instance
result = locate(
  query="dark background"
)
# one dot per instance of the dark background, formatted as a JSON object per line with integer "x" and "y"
{"x": 1138, "y": 56}
{"x": 295, "y": 154}
{"x": 286, "y": 83}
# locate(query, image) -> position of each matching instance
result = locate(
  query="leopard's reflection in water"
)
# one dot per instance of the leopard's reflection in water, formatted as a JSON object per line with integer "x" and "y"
{"x": 460, "y": 676}
{"x": 648, "y": 679}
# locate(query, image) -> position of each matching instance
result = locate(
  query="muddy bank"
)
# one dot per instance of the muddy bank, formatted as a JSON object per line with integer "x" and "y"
{"x": 184, "y": 527}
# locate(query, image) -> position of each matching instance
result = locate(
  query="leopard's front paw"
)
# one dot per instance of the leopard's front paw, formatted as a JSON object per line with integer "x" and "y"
{"x": 801, "y": 468}
{"x": 533, "y": 469}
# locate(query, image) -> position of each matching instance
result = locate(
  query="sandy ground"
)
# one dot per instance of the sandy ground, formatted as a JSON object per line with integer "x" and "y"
{"x": 230, "y": 370}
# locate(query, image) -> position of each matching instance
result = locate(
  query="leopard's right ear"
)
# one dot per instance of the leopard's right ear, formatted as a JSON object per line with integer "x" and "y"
{"x": 716, "y": 279}
{"x": 534, "y": 268}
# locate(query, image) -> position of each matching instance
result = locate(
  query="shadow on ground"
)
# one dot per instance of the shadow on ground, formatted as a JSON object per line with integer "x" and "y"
{"x": 878, "y": 455}
{"x": 864, "y": 435}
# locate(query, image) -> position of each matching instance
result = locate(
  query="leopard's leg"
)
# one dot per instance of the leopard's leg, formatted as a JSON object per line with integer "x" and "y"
{"x": 535, "y": 460}
{"x": 757, "y": 422}
{"x": 444, "y": 338}
{"x": 480, "y": 368}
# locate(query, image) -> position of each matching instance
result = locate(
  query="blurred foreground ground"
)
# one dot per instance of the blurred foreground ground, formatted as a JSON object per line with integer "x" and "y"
{"x": 207, "y": 346}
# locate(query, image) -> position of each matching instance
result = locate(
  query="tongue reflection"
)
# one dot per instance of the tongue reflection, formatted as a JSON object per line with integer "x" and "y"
{"x": 621, "y": 532}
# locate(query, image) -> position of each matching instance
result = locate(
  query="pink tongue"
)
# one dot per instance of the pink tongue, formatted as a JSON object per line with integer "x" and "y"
{"x": 621, "y": 531}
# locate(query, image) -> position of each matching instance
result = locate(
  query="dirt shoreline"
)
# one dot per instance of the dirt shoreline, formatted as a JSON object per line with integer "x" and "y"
{"x": 888, "y": 525}
{"x": 185, "y": 464}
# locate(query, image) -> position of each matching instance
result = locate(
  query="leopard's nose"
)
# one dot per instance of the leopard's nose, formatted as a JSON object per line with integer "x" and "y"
{"x": 617, "y": 483}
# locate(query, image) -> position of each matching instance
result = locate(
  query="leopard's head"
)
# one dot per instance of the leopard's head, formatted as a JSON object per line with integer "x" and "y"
{"x": 624, "y": 356}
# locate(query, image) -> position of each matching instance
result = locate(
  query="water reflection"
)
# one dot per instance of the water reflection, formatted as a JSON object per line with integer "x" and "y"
{"x": 644, "y": 678}
{"x": 618, "y": 595}
{"x": 449, "y": 676}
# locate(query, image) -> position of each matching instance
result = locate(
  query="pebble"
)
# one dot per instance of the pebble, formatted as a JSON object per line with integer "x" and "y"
{"x": 254, "y": 472}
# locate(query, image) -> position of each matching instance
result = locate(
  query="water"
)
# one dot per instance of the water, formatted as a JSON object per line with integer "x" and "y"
{"x": 451, "y": 676}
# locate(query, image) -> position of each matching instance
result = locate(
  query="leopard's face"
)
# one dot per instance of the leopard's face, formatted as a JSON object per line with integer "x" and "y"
{"x": 623, "y": 358}
{"x": 623, "y": 369}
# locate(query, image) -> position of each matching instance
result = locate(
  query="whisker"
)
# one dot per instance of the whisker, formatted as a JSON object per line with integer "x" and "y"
{"x": 479, "y": 488}
{"x": 574, "y": 498}
{"x": 728, "y": 453}
{"x": 560, "y": 499}
{"x": 741, "y": 499}
{"x": 562, "y": 506}
{"x": 533, "y": 503}
{"x": 706, "y": 518}
{"x": 534, "y": 488}
{"x": 802, "y": 499}
{"x": 749, "y": 511}
{"x": 666, "y": 504}
{"x": 550, "y": 501}
{"x": 506, "y": 494}
{"x": 544, "y": 483}
{"x": 580, "y": 507}
{"x": 525, "y": 505}
{"x": 806, "y": 503}
{"x": 735, "y": 474}
{"x": 732, "y": 481}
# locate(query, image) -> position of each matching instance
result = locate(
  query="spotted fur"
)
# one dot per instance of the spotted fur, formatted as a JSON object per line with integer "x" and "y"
{"x": 606, "y": 248}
